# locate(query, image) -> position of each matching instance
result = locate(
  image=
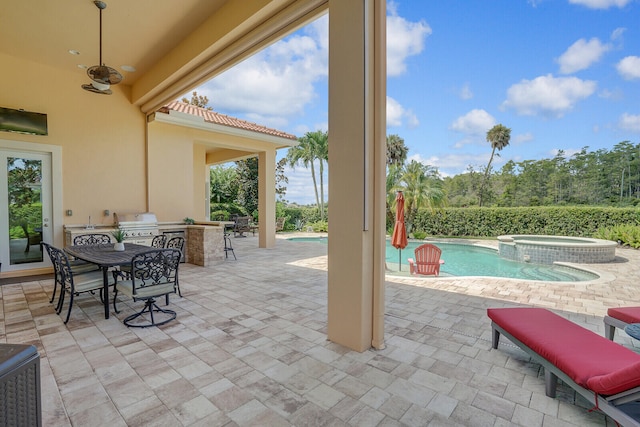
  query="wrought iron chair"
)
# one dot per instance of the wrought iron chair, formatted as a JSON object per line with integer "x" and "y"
{"x": 427, "y": 260}
{"x": 70, "y": 282}
{"x": 228, "y": 247}
{"x": 153, "y": 274}
{"x": 124, "y": 271}
{"x": 159, "y": 241}
{"x": 91, "y": 239}
{"x": 176, "y": 243}
{"x": 77, "y": 266}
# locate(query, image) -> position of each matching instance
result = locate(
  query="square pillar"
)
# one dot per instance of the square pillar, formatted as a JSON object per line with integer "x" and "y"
{"x": 267, "y": 199}
{"x": 357, "y": 159}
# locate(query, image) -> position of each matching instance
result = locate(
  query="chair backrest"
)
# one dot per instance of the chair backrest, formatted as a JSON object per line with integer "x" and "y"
{"x": 61, "y": 266}
{"x": 176, "y": 243}
{"x": 427, "y": 257}
{"x": 242, "y": 223}
{"x": 159, "y": 241}
{"x": 49, "y": 248}
{"x": 155, "y": 269}
{"x": 91, "y": 239}
{"x": 280, "y": 223}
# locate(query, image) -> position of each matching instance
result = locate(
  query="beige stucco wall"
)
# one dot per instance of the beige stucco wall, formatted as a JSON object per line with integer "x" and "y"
{"x": 102, "y": 137}
{"x": 176, "y": 173}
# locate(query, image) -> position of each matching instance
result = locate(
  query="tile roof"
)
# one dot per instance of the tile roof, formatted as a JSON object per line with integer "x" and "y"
{"x": 224, "y": 120}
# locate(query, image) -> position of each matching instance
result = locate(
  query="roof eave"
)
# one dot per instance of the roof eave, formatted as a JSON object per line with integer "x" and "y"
{"x": 196, "y": 122}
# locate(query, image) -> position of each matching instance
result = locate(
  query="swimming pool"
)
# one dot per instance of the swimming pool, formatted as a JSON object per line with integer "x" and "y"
{"x": 469, "y": 260}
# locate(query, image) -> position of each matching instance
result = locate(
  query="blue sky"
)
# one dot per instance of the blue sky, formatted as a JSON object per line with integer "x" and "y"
{"x": 562, "y": 74}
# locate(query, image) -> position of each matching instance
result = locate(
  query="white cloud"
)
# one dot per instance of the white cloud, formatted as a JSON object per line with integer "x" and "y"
{"x": 522, "y": 138}
{"x": 300, "y": 185}
{"x": 465, "y": 92}
{"x": 475, "y": 122}
{"x": 601, "y": 4}
{"x": 630, "y": 122}
{"x": 548, "y": 95}
{"x": 453, "y": 164}
{"x": 397, "y": 115}
{"x": 276, "y": 82}
{"x": 581, "y": 55}
{"x": 280, "y": 81}
{"x": 404, "y": 39}
{"x": 629, "y": 67}
{"x": 617, "y": 33}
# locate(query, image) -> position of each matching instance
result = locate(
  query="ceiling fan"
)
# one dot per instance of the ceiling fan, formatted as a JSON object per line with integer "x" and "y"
{"x": 102, "y": 76}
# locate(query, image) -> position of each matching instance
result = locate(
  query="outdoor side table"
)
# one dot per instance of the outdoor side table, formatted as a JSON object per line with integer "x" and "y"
{"x": 633, "y": 330}
{"x": 20, "y": 396}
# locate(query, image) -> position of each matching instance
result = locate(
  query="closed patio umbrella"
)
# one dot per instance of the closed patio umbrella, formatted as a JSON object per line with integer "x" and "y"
{"x": 399, "y": 237}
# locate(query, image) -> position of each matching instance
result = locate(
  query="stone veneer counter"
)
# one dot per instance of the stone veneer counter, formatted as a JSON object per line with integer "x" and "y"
{"x": 205, "y": 244}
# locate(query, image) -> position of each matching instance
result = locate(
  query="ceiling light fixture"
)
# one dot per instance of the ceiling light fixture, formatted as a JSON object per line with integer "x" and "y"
{"x": 103, "y": 76}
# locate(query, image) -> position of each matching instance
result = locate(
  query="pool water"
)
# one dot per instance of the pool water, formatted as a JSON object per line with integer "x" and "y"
{"x": 469, "y": 260}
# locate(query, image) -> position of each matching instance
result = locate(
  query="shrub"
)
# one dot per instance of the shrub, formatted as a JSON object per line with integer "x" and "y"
{"x": 420, "y": 235}
{"x": 221, "y": 215}
{"x": 577, "y": 221}
{"x": 628, "y": 235}
{"x": 320, "y": 226}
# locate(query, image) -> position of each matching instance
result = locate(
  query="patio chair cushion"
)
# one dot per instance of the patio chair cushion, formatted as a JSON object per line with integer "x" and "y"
{"x": 126, "y": 287}
{"x": 589, "y": 359}
{"x": 625, "y": 314}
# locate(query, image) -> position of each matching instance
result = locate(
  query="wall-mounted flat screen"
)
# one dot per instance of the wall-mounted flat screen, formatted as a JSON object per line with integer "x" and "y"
{"x": 21, "y": 121}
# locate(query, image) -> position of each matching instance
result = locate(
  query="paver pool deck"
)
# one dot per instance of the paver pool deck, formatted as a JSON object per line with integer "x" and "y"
{"x": 249, "y": 348}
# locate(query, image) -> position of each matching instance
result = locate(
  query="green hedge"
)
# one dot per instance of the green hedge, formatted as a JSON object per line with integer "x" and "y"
{"x": 492, "y": 222}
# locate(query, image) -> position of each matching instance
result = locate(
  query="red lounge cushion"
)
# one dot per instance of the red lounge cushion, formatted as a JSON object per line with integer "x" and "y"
{"x": 625, "y": 314}
{"x": 615, "y": 382}
{"x": 576, "y": 351}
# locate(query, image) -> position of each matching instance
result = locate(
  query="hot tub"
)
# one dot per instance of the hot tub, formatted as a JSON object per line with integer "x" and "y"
{"x": 550, "y": 249}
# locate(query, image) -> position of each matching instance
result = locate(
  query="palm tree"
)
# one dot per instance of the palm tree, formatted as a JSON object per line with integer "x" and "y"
{"x": 422, "y": 187}
{"x": 499, "y": 137}
{"x": 320, "y": 142}
{"x": 396, "y": 150}
{"x": 312, "y": 146}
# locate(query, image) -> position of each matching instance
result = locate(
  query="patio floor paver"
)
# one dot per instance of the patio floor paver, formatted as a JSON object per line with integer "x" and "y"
{"x": 249, "y": 347}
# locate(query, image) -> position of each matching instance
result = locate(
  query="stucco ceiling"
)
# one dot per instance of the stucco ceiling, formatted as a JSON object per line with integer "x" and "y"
{"x": 173, "y": 44}
{"x": 135, "y": 32}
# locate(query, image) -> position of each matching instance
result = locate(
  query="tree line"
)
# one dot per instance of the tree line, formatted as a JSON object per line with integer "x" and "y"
{"x": 601, "y": 178}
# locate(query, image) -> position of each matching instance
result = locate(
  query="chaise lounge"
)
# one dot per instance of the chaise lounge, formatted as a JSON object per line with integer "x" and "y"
{"x": 620, "y": 318}
{"x": 605, "y": 373}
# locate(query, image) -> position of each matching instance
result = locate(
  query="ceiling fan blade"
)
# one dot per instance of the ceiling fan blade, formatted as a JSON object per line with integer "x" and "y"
{"x": 94, "y": 89}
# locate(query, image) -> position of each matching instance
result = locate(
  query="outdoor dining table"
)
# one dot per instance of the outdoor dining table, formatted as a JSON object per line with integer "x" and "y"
{"x": 105, "y": 256}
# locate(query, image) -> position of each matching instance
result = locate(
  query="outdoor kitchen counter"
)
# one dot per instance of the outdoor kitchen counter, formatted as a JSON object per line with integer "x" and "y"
{"x": 205, "y": 244}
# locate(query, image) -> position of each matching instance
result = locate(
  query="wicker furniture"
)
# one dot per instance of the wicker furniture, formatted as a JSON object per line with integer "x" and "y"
{"x": 20, "y": 395}
{"x": 242, "y": 225}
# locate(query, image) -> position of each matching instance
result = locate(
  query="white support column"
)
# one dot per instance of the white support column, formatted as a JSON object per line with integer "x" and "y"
{"x": 267, "y": 198}
{"x": 357, "y": 150}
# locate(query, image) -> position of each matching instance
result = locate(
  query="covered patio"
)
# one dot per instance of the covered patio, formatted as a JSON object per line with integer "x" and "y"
{"x": 110, "y": 153}
{"x": 249, "y": 347}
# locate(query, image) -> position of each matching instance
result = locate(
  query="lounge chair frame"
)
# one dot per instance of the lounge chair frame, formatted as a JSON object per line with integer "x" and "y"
{"x": 611, "y": 405}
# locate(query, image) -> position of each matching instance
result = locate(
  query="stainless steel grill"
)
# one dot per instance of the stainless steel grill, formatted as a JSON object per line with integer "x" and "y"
{"x": 138, "y": 227}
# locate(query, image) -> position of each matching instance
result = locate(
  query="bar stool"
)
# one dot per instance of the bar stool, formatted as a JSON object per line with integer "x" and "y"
{"x": 227, "y": 242}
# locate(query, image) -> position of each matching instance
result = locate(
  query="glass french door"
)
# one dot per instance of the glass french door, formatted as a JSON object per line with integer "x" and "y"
{"x": 25, "y": 209}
